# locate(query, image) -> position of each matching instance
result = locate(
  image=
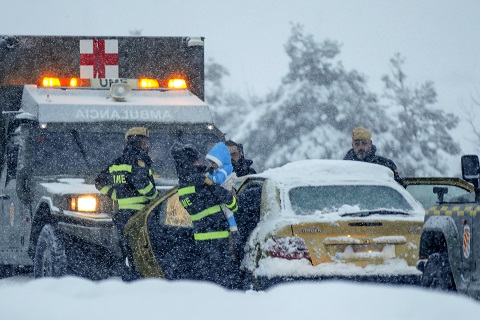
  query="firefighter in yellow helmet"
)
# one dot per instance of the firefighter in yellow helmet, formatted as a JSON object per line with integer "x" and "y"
{"x": 129, "y": 181}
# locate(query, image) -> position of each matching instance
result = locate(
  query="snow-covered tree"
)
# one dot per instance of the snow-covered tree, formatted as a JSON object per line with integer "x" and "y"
{"x": 315, "y": 109}
{"x": 471, "y": 117}
{"x": 421, "y": 132}
{"x": 229, "y": 109}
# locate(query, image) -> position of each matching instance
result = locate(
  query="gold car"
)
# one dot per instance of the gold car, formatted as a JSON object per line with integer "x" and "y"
{"x": 333, "y": 218}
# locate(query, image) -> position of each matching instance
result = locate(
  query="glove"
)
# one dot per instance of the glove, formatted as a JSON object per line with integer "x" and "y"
{"x": 230, "y": 181}
{"x": 235, "y": 243}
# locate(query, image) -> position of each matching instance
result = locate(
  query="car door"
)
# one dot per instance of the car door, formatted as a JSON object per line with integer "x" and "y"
{"x": 171, "y": 234}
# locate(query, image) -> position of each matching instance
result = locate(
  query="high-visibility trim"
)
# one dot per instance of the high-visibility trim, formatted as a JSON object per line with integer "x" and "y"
{"x": 105, "y": 189}
{"x": 233, "y": 204}
{"x": 211, "y": 235}
{"x": 206, "y": 212}
{"x": 114, "y": 195}
{"x": 150, "y": 172}
{"x": 120, "y": 167}
{"x": 147, "y": 189}
{"x": 186, "y": 190}
{"x": 131, "y": 206}
{"x": 153, "y": 196}
{"x": 132, "y": 200}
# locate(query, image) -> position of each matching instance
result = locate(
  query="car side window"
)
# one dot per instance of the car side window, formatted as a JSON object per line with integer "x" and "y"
{"x": 248, "y": 184}
{"x": 425, "y": 195}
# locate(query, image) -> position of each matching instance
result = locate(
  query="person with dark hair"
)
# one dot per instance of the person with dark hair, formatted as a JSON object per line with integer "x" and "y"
{"x": 129, "y": 180}
{"x": 364, "y": 150}
{"x": 203, "y": 200}
{"x": 241, "y": 166}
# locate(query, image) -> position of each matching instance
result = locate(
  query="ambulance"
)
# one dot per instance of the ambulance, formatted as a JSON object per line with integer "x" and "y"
{"x": 66, "y": 103}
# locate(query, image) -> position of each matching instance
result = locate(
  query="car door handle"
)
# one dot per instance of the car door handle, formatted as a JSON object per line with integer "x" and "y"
{"x": 4, "y": 196}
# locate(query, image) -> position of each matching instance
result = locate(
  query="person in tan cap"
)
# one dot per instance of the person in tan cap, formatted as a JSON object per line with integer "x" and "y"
{"x": 364, "y": 150}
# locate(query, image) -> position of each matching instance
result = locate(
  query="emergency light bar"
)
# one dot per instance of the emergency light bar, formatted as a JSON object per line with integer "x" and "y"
{"x": 143, "y": 83}
{"x": 177, "y": 84}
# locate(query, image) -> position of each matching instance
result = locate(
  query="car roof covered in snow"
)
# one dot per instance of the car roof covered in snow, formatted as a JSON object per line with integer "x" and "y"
{"x": 321, "y": 172}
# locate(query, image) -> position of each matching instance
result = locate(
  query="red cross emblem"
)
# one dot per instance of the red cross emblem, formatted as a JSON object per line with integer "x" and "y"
{"x": 98, "y": 59}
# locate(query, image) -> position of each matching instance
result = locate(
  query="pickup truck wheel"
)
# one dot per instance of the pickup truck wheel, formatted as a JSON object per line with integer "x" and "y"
{"x": 438, "y": 273}
{"x": 6, "y": 271}
{"x": 50, "y": 257}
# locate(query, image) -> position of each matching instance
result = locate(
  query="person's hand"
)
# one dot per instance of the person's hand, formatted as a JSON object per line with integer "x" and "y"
{"x": 230, "y": 181}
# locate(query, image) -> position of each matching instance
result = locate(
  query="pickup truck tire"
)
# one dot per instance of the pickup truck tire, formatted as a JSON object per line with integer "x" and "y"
{"x": 438, "y": 273}
{"x": 6, "y": 271}
{"x": 50, "y": 254}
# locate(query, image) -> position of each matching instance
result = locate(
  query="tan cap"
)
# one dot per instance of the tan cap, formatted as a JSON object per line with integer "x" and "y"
{"x": 137, "y": 131}
{"x": 360, "y": 133}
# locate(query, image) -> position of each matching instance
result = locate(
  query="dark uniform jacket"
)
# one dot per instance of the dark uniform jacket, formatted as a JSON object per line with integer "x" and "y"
{"x": 129, "y": 179}
{"x": 203, "y": 202}
{"x": 373, "y": 158}
{"x": 243, "y": 167}
{"x": 202, "y": 199}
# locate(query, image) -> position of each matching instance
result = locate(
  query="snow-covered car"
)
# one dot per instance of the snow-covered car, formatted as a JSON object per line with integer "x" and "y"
{"x": 333, "y": 218}
{"x": 316, "y": 219}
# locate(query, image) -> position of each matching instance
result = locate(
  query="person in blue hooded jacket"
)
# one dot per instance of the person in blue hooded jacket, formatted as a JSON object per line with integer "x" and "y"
{"x": 222, "y": 163}
{"x": 223, "y": 175}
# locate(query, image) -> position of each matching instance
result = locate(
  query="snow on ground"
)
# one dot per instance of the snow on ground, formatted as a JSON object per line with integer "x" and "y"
{"x": 73, "y": 298}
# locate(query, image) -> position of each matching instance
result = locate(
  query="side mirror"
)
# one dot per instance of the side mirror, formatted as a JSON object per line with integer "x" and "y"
{"x": 470, "y": 168}
{"x": 440, "y": 191}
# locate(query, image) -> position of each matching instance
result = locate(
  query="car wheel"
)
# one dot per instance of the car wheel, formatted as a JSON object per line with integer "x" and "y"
{"x": 6, "y": 271}
{"x": 438, "y": 273}
{"x": 50, "y": 256}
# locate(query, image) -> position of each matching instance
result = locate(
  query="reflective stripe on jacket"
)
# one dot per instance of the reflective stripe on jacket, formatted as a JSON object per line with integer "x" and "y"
{"x": 203, "y": 204}
{"x": 129, "y": 179}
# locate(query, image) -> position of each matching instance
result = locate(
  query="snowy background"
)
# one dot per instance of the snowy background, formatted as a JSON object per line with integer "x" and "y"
{"x": 438, "y": 38}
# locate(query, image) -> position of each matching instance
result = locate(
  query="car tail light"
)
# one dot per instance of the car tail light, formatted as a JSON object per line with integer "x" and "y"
{"x": 290, "y": 248}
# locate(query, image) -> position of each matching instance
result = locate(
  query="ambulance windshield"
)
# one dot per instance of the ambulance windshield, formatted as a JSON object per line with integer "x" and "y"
{"x": 87, "y": 153}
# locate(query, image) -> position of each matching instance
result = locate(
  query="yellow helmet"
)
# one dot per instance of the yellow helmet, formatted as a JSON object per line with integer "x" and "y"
{"x": 137, "y": 131}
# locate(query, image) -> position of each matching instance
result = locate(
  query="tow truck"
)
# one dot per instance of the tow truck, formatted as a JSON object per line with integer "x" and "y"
{"x": 449, "y": 253}
{"x": 66, "y": 103}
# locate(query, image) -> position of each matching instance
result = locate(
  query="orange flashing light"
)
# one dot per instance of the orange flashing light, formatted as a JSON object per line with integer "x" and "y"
{"x": 148, "y": 83}
{"x": 50, "y": 82}
{"x": 64, "y": 82}
{"x": 74, "y": 82}
{"x": 177, "y": 84}
{"x": 73, "y": 204}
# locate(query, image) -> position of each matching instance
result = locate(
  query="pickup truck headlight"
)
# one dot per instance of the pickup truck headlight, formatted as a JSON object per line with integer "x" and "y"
{"x": 83, "y": 203}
